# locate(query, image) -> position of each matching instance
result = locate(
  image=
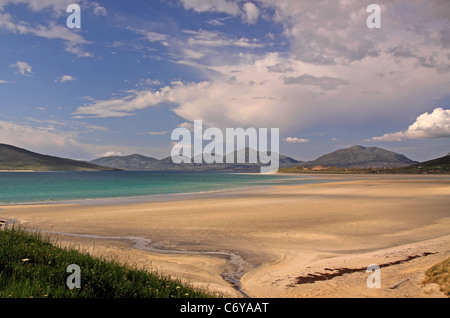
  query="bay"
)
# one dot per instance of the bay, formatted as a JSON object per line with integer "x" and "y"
{"x": 41, "y": 187}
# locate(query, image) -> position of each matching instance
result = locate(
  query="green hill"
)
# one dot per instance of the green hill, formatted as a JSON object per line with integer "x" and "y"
{"x": 362, "y": 158}
{"x": 17, "y": 159}
{"x": 436, "y": 166}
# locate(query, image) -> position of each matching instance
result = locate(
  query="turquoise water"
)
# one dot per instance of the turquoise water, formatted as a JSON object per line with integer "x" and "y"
{"x": 38, "y": 187}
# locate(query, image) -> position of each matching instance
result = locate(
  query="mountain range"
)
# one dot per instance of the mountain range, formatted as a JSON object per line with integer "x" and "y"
{"x": 353, "y": 157}
{"x": 142, "y": 163}
{"x": 356, "y": 157}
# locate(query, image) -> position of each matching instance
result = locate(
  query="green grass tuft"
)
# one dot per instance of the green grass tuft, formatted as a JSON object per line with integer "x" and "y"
{"x": 31, "y": 266}
{"x": 439, "y": 274}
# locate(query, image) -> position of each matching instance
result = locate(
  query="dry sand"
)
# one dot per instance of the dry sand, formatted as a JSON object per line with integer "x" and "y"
{"x": 263, "y": 239}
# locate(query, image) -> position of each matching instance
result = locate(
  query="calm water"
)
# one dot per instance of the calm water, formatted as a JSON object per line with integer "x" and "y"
{"x": 34, "y": 187}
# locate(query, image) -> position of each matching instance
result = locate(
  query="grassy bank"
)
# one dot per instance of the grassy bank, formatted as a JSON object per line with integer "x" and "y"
{"x": 439, "y": 274}
{"x": 31, "y": 265}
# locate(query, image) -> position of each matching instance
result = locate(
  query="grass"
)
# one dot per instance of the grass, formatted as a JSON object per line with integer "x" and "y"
{"x": 439, "y": 274}
{"x": 32, "y": 266}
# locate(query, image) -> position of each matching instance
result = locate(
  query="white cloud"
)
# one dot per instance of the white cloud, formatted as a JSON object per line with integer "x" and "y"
{"x": 332, "y": 70}
{"x": 23, "y": 68}
{"x": 45, "y": 138}
{"x": 188, "y": 126}
{"x": 156, "y": 37}
{"x": 207, "y": 38}
{"x": 335, "y": 32}
{"x": 427, "y": 126}
{"x": 247, "y": 94}
{"x": 3, "y": 82}
{"x": 125, "y": 106}
{"x": 295, "y": 140}
{"x": 217, "y": 21}
{"x": 38, "y": 5}
{"x": 192, "y": 54}
{"x": 65, "y": 78}
{"x": 98, "y": 9}
{"x": 73, "y": 41}
{"x": 50, "y": 138}
{"x": 251, "y": 13}
{"x": 222, "y": 6}
{"x": 149, "y": 82}
{"x": 111, "y": 154}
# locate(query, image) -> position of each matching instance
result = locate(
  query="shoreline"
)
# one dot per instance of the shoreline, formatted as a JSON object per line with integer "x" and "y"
{"x": 328, "y": 178}
{"x": 280, "y": 232}
{"x": 137, "y": 198}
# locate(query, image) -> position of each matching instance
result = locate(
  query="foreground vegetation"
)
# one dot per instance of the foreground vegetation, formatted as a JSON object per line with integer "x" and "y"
{"x": 31, "y": 265}
{"x": 439, "y": 274}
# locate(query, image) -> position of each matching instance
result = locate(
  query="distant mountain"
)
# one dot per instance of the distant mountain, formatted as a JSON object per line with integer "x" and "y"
{"x": 132, "y": 162}
{"x": 142, "y": 163}
{"x": 356, "y": 157}
{"x": 435, "y": 166}
{"x": 353, "y": 157}
{"x": 14, "y": 158}
{"x": 362, "y": 157}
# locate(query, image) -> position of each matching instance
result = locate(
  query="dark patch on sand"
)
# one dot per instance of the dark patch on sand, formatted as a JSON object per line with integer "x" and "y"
{"x": 332, "y": 273}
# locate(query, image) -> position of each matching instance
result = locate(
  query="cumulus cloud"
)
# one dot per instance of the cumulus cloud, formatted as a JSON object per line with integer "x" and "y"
{"x": 250, "y": 94}
{"x": 332, "y": 68}
{"x": 251, "y": 13}
{"x": 23, "y": 68}
{"x": 335, "y": 32}
{"x": 295, "y": 140}
{"x": 427, "y": 126}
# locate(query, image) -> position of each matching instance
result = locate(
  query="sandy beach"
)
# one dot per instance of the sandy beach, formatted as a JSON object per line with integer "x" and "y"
{"x": 261, "y": 242}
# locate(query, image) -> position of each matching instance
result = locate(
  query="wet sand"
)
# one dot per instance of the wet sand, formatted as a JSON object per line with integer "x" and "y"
{"x": 261, "y": 242}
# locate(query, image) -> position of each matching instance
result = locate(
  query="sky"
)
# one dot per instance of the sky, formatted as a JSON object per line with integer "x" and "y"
{"x": 136, "y": 70}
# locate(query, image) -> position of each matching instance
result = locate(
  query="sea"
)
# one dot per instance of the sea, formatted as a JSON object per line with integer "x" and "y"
{"x": 48, "y": 187}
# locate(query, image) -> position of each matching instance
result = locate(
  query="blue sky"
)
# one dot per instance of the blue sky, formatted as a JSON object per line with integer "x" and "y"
{"x": 136, "y": 70}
